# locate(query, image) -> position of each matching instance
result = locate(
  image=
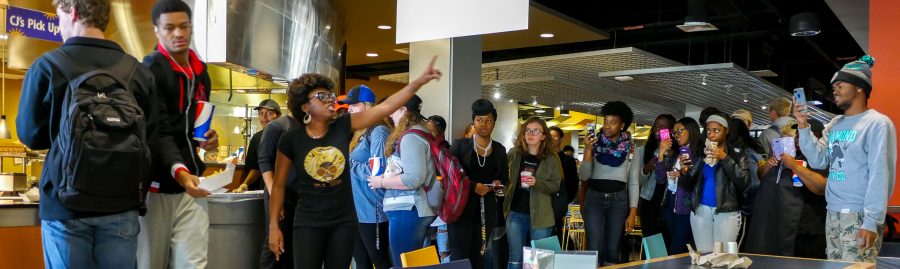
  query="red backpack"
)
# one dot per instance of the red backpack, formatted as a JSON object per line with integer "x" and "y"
{"x": 454, "y": 184}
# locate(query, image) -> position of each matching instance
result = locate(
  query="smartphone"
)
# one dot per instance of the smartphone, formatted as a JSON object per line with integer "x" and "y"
{"x": 665, "y": 135}
{"x": 590, "y": 129}
{"x": 800, "y": 96}
{"x": 685, "y": 152}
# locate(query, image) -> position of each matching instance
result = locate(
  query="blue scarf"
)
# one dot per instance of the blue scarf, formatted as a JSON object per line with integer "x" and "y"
{"x": 613, "y": 153}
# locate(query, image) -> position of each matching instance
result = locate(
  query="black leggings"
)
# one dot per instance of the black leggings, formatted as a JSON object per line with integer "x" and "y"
{"x": 328, "y": 246}
{"x": 365, "y": 253}
{"x": 267, "y": 258}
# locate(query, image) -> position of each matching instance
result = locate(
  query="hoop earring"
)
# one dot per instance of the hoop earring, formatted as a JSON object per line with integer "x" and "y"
{"x": 307, "y": 118}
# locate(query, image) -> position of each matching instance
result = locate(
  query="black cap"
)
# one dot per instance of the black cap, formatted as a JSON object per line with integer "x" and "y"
{"x": 270, "y": 105}
{"x": 414, "y": 105}
{"x": 482, "y": 107}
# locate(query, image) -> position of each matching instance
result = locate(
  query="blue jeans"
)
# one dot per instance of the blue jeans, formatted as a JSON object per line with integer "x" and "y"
{"x": 97, "y": 242}
{"x": 604, "y": 223}
{"x": 520, "y": 233}
{"x": 678, "y": 226}
{"x": 406, "y": 232}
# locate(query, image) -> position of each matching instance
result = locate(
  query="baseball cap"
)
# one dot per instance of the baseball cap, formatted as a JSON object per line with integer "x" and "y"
{"x": 360, "y": 93}
{"x": 338, "y": 105}
{"x": 414, "y": 105}
{"x": 270, "y": 105}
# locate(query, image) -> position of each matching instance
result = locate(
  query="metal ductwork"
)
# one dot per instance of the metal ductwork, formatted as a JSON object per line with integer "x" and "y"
{"x": 274, "y": 40}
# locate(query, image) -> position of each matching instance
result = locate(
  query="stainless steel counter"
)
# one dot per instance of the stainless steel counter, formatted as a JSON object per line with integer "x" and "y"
{"x": 18, "y": 214}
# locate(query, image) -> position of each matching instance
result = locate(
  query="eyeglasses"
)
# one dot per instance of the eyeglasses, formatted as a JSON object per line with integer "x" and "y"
{"x": 534, "y": 131}
{"x": 326, "y": 97}
{"x": 680, "y": 131}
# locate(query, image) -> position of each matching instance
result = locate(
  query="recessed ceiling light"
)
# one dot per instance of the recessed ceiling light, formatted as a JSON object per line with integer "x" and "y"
{"x": 816, "y": 102}
{"x": 510, "y": 100}
{"x": 624, "y": 78}
{"x": 384, "y": 27}
{"x": 327, "y": 27}
{"x": 372, "y": 54}
{"x": 540, "y": 111}
{"x": 497, "y": 95}
{"x": 547, "y": 35}
{"x": 765, "y": 107}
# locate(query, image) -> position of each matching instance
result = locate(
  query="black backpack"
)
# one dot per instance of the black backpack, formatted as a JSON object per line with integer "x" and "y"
{"x": 102, "y": 138}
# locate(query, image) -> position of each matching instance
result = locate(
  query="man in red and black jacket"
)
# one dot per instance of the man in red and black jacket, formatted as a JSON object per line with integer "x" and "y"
{"x": 175, "y": 229}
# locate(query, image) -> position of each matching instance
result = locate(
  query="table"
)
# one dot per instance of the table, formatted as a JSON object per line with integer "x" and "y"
{"x": 759, "y": 261}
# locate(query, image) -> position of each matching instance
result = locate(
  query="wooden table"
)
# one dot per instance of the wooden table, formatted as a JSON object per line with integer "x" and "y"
{"x": 759, "y": 261}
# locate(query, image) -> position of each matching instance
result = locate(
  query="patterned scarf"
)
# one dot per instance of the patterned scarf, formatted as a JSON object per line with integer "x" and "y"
{"x": 613, "y": 153}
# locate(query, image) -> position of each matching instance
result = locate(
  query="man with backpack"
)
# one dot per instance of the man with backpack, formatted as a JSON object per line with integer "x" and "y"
{"x": 175, "y": 230}
{"x": 96, "y": 109}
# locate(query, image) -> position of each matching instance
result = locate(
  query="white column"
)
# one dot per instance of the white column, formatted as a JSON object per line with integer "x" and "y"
{"x": 459, "y": 59}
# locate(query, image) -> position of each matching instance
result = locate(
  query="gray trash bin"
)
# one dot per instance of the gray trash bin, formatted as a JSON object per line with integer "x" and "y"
{"x": 236, "y": 230}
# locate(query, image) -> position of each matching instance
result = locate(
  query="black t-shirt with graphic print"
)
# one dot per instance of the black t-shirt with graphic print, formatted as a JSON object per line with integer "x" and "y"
{"x": 323, "y": 175}
{"x": 522, "y": 198}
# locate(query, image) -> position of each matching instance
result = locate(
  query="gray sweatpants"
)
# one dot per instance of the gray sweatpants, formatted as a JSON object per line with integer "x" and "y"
{"x": 174, "y": 232}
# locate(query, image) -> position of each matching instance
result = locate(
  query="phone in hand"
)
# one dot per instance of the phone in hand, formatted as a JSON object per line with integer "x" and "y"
{"x": 591, "y": 129}
{"x": 665, "y": 135}
{"x": 800, "y": 97}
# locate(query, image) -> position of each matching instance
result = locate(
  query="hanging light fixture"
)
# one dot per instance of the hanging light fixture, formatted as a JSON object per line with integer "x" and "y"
{"x": 703, "y": 79}
{"x": 534, "y": 100}
{"x": 496, "y": 93}
{"x": 745, "y": 98}
{"x": 562, "y": 110}
{"x": 4, "y": 131}
{"x": 805, "y": 24}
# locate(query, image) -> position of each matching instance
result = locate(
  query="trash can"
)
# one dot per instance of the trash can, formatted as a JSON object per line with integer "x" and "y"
{"x": 236, "y": 230}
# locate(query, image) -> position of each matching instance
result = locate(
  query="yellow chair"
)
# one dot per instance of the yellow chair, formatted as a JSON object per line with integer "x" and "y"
{"x": 420, "y": 257}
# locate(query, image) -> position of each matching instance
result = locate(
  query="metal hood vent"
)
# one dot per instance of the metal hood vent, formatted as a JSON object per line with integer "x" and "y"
{"x": 658, "y": 85}
{"x": 276, "y": 40}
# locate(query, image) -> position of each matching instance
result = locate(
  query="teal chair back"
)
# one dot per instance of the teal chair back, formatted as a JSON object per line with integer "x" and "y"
{"x": 654, "y": 247}
{"x": 549, "y": 243}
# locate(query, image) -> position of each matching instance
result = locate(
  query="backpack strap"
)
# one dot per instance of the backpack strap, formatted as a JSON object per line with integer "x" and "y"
{"x": 121, "y": 72}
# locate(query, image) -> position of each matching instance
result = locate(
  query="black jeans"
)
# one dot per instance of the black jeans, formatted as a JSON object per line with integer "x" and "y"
{"x": 604, "y": 223}
{"x": 366, "y": 254}
{"x": 650, "y": 212}
{"x": 328, "y": 246}
{"x": 679, "y": 228}
{"x": 267, "y": 258}
{"x": 465, "y": 233}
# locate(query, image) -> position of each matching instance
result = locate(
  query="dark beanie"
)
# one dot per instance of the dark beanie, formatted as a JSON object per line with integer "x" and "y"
{"x": 482, "y": 107}
{"x": 857, "y": 73}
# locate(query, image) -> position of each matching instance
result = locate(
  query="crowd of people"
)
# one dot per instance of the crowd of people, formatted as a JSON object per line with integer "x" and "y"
{"x": 694, "y": 182}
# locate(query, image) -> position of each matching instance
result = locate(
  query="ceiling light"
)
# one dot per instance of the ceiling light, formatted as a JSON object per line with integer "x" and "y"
{"x": 327, "y": 27}
{"x": 765, "y": 107}
{"x": 745, "y": 98}
{"x": 547, "y": 35}
{"x": 237, "y": 130}
{"x": 816, "y": 102}
{"x": 540, "y": 111}
{"x": 703, "y": 79}
{"x": 372, "y": 54}
{"x": 804, "y": 24}
{"x": 624, "y": 78}
{"x": 510, "y": 100}
{"x": 384, "y": 27}
{"x": 534, "y": 100}
{"x": 497, "y": 95}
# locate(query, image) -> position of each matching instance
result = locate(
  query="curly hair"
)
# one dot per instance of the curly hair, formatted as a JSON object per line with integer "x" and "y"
{"x": 618, "y": 108}
{"x": 299, "y": 89}
{"x": 91, "y": 12}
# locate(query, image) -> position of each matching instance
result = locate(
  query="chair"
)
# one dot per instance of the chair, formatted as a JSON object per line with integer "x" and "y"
{"x": 549, "y": 243}
{"x": 654, "y": 247}
{"x": 460, "y": 264}
{"x": 575, "y": 260}
{"x": 420, "y": 257}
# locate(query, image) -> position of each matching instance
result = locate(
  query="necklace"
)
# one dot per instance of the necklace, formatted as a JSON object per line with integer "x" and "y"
{"x": 313, "y": 136}
{"x": 481, "y": 161}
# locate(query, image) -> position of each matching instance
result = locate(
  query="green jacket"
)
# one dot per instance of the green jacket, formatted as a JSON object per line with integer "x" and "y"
{"x": 548, "y": 175}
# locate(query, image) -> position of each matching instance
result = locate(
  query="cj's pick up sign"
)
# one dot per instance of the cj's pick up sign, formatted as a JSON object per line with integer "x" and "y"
{"x": 32, "y": 23}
